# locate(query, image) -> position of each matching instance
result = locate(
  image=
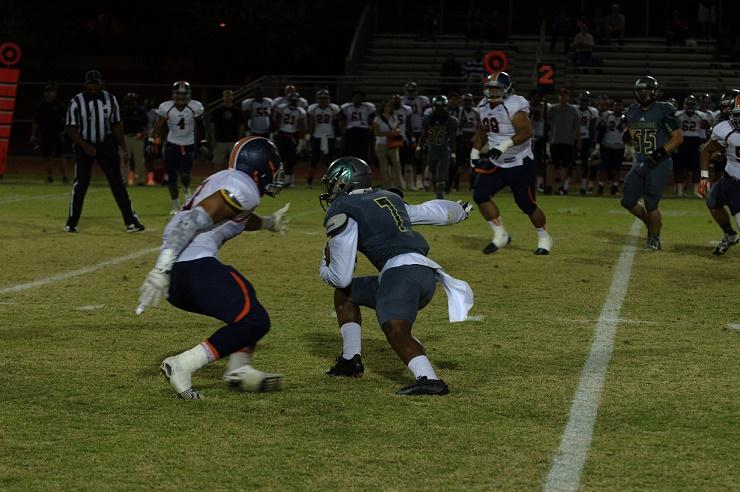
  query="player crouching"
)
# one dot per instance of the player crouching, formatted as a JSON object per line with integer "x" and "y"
{"x": 506, "y": 128}
{"x": 189, "y": 273}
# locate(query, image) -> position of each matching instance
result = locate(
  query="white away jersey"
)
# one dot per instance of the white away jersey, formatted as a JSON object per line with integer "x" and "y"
{"x": 729, "y": 139}
{"x": 258, "y": 114}
{"x": 402, "y": 114}
{"x": 498, "y": 126}
{"x": 469, "y": 121}
{"x": 417, "y": 104}
{"x": 323, "y": 119}
{"x": 692, "y": 125}
{"x": 290, "y": 118}
{"x": 181, "y": 122}
{"x": 240, "y": 191}
{"x": 586, "y": 118}
{"x": 358, "y": 116}
{"x": 613, "y": 128}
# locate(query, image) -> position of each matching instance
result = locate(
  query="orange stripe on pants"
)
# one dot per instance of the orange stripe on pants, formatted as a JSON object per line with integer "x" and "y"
{"x": 247, "y": 300}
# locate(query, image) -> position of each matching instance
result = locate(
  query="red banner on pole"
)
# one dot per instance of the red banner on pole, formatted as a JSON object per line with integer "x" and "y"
{"x": 10, "y": 54}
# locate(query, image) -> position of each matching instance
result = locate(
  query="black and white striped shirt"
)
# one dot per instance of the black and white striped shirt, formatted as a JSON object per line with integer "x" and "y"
{"x": 93, "y": 115}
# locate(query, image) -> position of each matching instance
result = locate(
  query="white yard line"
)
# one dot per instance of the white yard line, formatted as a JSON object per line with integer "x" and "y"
{"x": 53, "y": 196}
{"x": 575, "y": 442}
{"x": 76, "y": 273}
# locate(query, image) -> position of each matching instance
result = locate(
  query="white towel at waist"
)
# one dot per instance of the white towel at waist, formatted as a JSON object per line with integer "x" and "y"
{"x": 459, "y": 294}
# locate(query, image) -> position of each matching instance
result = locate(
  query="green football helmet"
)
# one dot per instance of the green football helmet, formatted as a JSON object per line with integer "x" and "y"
{"x": 439, "y": 104}
{"x": 646, "y": 89}
{"x": 344, "y": 175}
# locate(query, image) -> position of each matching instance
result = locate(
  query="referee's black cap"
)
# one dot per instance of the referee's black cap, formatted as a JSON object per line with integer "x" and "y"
{"x": 93, "y": 76}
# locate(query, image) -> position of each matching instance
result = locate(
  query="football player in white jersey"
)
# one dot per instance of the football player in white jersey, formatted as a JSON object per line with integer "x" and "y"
{"x": 257, "y": 113}
{"x": 725, "y": 192}
{"x": 538, "y": 117}
{"x": 184, "y": 119}
{"x": 506, "y": 128}
{"x": 192, "y": 278}
{"x": 289, "y": 91}
{"x": 323, "y": 117}
{"x": 694, "y": 126}
{"x": 356, "y": 121}
{"x": 611, "y": 146}
{"x": 418, "y": 104}
{"x": 402, "y": 113}
{"x": 588, "y": 116}
{"x": 289, "y": 123}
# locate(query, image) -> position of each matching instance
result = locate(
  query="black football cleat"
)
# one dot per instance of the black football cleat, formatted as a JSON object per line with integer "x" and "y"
{"x": 424, "y": 386}
{"x": 351, "y": 368}
{"x": 135, "y": 227}
{"x": 492, "y": 248}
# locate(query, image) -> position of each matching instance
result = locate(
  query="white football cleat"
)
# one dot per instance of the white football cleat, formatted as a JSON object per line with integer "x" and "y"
{"x": 544, "y": 245}
{"x": 180, "y": 379}
{"x": 501, "y": 238}
{"x": 247, "y": 378}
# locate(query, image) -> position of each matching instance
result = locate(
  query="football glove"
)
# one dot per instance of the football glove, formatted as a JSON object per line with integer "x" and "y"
{"x": 277, "y": 222}
{"x": 466, "y": 206}
{"x": 155, "y": 286}
{"x": 704, "y": 186}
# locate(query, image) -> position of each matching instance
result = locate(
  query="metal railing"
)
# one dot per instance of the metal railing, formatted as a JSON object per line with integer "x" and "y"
{"x": 366, "y": 27}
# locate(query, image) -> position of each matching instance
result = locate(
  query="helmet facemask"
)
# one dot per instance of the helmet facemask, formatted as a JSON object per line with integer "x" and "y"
{"x": 274, "y": 188}
{"x": 494, "y": 93}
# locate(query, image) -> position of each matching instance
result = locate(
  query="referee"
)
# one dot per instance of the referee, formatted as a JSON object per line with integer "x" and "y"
{"x": 92, "y": 116}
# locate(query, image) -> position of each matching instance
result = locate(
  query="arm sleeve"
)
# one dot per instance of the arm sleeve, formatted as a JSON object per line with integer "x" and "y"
{"x": 73, "y": 114}
{"x": 436, "y": 212}
{"x": 342, "y": 254}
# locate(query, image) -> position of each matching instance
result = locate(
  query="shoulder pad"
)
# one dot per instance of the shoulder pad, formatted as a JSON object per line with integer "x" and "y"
{"x": 336, "y": 224}
{"x": 231, "y": 200}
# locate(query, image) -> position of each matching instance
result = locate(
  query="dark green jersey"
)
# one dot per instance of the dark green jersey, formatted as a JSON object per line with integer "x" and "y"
{"x": 651, "y": 128}
{"x": 384, "y": 227}
{"x": 439, "y": 128}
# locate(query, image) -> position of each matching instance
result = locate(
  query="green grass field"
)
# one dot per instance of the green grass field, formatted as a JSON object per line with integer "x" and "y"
{"x": 84, "y": 407}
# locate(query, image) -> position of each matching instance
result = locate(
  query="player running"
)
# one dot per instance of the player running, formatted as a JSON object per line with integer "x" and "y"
{"x": 182, "y": 115}
{"x": 654, "y": 132}
{"x": 189, "y": 273}
{"x": 726, "y": 191}
{"x": 378, "y": 224}
{"x": 506, "y": 129}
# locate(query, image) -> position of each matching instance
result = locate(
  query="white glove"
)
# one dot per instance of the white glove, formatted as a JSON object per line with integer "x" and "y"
{"x": 277, "y": 222}
{"x": 629, "y": 153}
{"x": 155, "y": 286}
{"x": 595, "y": 155}
{"x": 466, "y": 206}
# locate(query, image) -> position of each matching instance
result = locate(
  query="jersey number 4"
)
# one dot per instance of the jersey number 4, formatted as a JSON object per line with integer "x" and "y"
{"x": 384, "y": 202}
{"x": 490, "y": 125}
{"x": 181, "y": 123}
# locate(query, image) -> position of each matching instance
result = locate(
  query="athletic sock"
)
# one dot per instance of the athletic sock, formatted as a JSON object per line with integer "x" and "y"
{"x": 238, "y": 359}
{"x": 566, "y": 184}
{"x": 351, "y": 339}
{"x": 541, "y": 232}
{"x": 176, "y": 204}
{"x": 727, "y": 228}
{"x": 679, "y": 189}
{"x": 197, "y": 357}
{"x": 420, "y": 366}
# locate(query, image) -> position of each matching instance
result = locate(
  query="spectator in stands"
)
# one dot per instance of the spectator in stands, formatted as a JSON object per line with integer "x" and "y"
{"x": 135, "y": 124}
{"x": 225, "y": 129}
{"x": 598, "y": 26}
{"x": 388, "y": 139}
{"x": 562, "y": 28}
{"x": 678, "y": 29}
{"x": 450, "y": 68}
{"x": 474, "y": 70}
{"x": 707, "y": 17}
{"x": 430, "y": 27}
{"x": 615, "y": 25}
{"x": 47, "y": 131}
{"x": 583, "y": 44}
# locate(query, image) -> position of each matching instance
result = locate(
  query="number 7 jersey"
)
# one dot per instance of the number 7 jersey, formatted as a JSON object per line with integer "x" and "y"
{"x": 181, "y": 122}
{"x": 651, "y": 128}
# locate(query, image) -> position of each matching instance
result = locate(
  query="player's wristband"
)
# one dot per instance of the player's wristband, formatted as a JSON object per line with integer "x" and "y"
{"x": 474, "y": 154}
{"x": 704, "y": 174}
{"x": 505, "y": 145}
